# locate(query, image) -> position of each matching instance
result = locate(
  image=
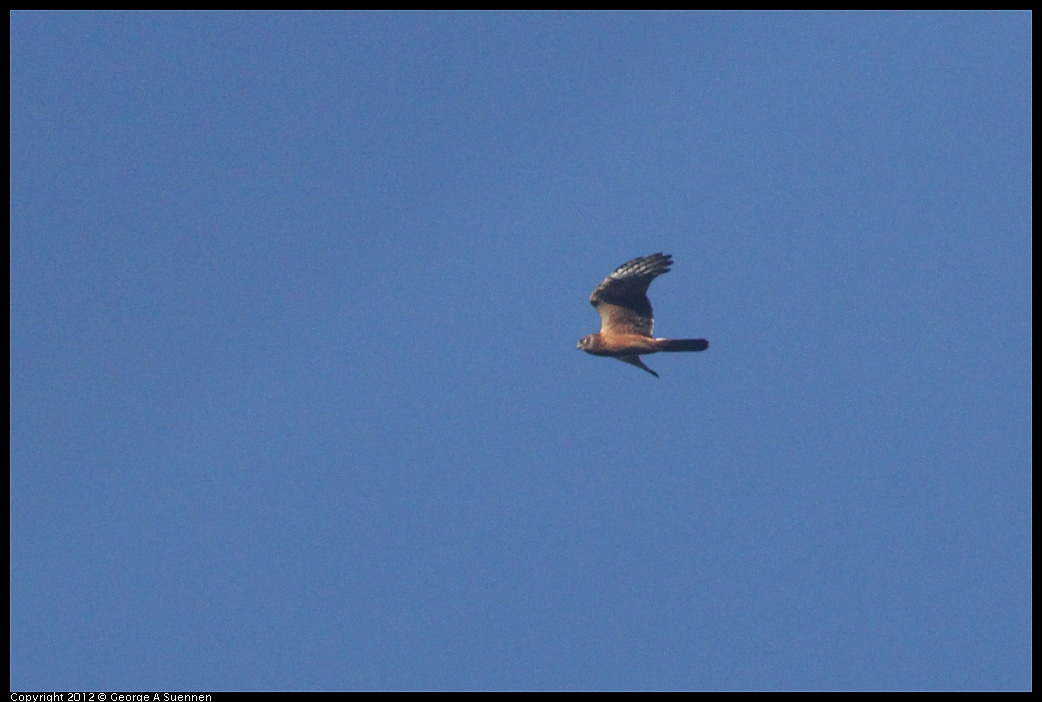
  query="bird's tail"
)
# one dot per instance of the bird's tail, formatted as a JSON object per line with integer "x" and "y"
{"x": 681, "y": 345}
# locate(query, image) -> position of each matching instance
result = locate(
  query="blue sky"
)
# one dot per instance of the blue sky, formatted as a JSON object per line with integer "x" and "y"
{"x": 295, "y": 399}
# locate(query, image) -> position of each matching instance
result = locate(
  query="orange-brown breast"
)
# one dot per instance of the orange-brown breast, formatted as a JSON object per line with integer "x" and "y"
{"x": 620, "y": 345}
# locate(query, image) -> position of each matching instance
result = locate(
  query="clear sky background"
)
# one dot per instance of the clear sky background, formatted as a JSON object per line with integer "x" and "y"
{"x": 295, "y": 398}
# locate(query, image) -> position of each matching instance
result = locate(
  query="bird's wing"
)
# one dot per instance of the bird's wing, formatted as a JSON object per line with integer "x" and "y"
{"x": 622, "y": 298}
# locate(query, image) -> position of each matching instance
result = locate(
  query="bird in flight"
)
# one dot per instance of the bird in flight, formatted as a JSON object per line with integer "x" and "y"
{"x": 626, "y": 316}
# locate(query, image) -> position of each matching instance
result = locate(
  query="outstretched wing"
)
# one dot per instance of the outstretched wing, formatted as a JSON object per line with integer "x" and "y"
{"x": 622, "y": 299}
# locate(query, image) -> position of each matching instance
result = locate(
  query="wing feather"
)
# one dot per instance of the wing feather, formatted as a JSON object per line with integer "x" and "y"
{"x": 621, "y": 299}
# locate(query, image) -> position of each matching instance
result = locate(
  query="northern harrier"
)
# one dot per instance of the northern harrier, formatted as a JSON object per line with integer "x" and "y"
{"x": 626, "y": 317}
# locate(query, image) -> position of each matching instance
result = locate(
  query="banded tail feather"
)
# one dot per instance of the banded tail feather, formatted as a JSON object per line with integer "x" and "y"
{"x": 670, "y": 345}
